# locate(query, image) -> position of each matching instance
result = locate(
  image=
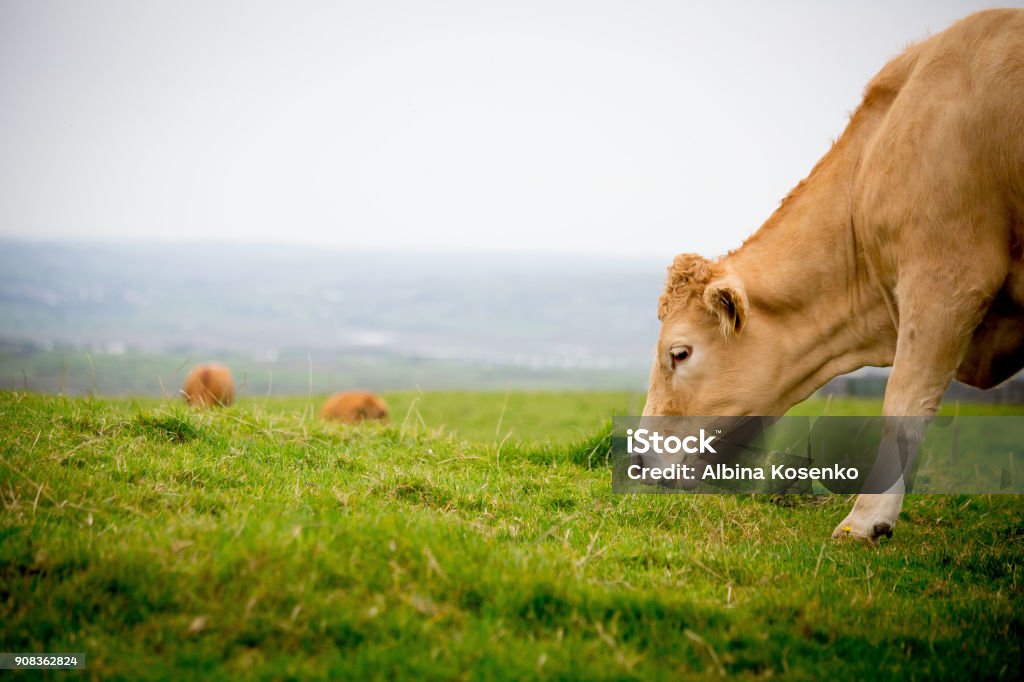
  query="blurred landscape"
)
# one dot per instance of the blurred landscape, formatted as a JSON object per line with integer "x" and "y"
{"x": 131, "y": 319}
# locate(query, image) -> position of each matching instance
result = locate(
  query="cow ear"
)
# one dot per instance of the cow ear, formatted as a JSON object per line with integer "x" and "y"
{"x": 726, "y": 298}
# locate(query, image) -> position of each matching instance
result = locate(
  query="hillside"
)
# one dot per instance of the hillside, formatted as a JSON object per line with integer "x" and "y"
{"x": 477, "y": 532}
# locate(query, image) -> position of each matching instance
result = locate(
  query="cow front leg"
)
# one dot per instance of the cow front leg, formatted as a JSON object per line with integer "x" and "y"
{"x": 874, "y": 514}
{"x": 935, "y": 331}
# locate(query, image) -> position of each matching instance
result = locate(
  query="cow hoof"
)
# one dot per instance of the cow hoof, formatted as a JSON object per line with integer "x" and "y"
{"x": 851, "y": 529}
{"x": 880, "y": 529}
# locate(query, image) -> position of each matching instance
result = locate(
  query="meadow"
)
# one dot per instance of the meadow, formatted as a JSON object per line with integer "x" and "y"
{"x": 475, "y": 537}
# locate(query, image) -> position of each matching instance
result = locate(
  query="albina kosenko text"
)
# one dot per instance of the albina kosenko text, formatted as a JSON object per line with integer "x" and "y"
{"x": 645, "y": 441}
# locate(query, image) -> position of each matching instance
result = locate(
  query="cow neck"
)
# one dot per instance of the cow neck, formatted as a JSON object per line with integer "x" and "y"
{"x": 808, "y": 283}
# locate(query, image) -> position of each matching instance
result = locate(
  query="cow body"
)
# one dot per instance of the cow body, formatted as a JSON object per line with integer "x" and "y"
{"x": 902, "y": 248}
{"x": 351, "y": 407}
{"x": 209, "y": 385}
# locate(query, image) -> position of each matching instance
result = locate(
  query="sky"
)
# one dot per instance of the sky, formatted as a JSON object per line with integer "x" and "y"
{"x": 630, "y": 128}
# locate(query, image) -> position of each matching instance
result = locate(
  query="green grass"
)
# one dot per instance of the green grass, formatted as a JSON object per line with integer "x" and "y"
{"x": 477, "y": 536}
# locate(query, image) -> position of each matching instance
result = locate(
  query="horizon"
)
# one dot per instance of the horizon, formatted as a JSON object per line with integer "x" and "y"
{"x": 594, "y": 256}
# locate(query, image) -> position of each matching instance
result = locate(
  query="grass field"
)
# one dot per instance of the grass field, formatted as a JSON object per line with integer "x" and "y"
{"x": 477, "y": 536}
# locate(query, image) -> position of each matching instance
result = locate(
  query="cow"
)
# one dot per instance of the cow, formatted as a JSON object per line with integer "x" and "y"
{"x": 350, "y": 407}
{"x": 903, "y": 247}
{"x": 209, "y": 385}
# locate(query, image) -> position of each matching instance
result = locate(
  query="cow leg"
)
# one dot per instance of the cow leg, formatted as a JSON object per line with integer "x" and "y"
{"x": 936, "y": 321}
{"x": 874, "y": 514}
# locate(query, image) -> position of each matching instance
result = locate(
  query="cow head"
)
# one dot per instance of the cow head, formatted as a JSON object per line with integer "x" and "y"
{"x": 711, "y": 358}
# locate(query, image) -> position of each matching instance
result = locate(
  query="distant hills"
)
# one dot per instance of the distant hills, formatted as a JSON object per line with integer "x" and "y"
{"x": 131, "y": 319}
{"x": 128, "y": 315}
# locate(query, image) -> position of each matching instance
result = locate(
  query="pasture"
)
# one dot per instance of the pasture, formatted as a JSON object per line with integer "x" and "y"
{"x": 476, "y": 536}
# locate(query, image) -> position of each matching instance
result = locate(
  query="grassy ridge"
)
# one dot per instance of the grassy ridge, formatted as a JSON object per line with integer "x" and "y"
{"x": 471, "y": 535}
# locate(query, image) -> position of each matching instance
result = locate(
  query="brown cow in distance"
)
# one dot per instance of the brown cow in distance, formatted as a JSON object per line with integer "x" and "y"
{"x": 209, "y": 385}
{"x": 904, "y": 247}
{"x": 350, "y": 407}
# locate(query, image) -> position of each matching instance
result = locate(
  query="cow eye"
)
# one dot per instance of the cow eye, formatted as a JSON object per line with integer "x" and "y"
{"x": 680, "y": 354}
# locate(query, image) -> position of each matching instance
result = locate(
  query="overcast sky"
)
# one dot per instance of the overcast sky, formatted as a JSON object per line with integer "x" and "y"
{"x": 628, "y": 127}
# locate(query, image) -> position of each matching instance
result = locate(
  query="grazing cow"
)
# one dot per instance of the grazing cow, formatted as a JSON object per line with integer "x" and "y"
{"x": 904, "y": 247}
{"x": 209, "y": 385}
{"x": 350, "y": 407}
